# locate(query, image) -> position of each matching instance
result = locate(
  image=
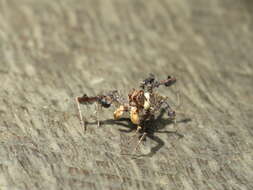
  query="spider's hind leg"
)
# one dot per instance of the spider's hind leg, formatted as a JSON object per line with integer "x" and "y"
{"x": 139, "y": 142}
{"x": 134, "y": 135}
{"x": 87, "y": 100}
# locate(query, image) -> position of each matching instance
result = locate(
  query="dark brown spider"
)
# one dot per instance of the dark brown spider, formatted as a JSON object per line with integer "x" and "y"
{"x": 142, "y": 104}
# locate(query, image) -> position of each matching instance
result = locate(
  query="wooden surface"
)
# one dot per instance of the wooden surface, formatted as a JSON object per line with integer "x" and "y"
{"x": 52, "y": 51}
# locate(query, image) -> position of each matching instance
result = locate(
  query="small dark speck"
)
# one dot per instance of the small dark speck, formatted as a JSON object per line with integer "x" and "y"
{"x": 24, "y": 108}
{"x": 2, "y": 112}
{"x": 4, "y": 71}
{"x": 231, "y": 134}
{"x": 54, "y": 102}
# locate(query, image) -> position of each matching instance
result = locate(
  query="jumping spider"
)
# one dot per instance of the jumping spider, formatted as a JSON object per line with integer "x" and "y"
{"x": 142, "y": 104}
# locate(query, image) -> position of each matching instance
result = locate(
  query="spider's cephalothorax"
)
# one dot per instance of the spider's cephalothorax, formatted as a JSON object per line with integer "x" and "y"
{"x": 142, "y": 104}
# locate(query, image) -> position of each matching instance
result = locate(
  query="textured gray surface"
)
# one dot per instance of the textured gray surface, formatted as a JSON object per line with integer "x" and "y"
{"x": 52, "y": 51}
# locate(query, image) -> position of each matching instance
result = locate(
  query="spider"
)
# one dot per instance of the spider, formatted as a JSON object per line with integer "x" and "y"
{"x": 142, "y": 103}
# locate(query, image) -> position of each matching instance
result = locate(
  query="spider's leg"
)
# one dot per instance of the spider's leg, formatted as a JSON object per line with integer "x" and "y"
{"x": 171, "y": 113}
{"x": 98, "y": 108}
{"x": 179, "y": 98}
{"x": 142, "y": 137}
{"x": 137, "y": 130}
{"x": 84, "y": 100}
{"x": 83, "y": 124}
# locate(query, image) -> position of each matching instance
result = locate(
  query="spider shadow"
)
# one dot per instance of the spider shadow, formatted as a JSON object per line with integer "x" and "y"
{"x": 151, "y": 127}
{"x": 157, "y": 126}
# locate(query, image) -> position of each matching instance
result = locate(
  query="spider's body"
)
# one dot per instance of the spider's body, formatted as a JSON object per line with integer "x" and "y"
{"x": 142, "y": 104}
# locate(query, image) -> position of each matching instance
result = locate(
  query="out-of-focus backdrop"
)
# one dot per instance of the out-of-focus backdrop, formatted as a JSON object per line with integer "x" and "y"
{"x": 53, "y": 51}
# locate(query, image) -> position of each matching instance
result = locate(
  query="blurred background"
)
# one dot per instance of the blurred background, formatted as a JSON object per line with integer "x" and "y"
{"x": 53, "y": 51}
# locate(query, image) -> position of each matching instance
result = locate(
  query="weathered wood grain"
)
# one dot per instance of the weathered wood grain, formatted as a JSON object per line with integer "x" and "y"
{"x": 52, "y": 51}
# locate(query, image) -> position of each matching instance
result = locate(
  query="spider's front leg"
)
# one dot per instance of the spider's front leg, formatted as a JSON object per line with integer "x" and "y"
{"x": 101, "y": 101}
{"x": 150, "y": 83}
{"x": 81, "y": 100}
